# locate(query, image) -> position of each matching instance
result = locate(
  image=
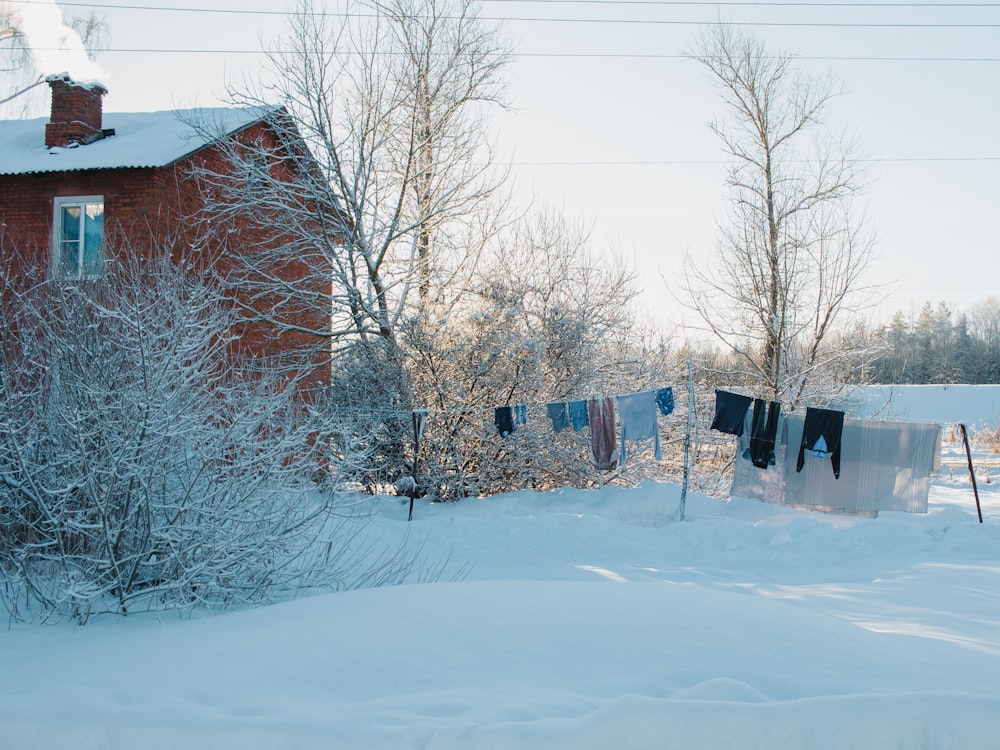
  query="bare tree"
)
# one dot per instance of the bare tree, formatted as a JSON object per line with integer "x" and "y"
{"x": 388, "y": 99}
{"x": 16, "y": 55}
{"x": 790, "y": 260}
{"x": 388, "y": 203}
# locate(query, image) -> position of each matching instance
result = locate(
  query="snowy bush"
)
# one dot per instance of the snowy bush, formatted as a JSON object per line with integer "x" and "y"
{"x": 141, "y": 468}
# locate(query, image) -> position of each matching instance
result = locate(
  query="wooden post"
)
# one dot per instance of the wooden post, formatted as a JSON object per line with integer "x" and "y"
{"x": 972, "y": 472}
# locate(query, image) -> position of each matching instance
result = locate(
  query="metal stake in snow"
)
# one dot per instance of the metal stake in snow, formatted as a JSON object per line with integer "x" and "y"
{"x": 972, "y": 472}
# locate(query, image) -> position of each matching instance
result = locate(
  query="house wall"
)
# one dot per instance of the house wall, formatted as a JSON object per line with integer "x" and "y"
{"x": 136, "y": 212}
{"x": 232, "y": 240}
{"x": 146, "y": 208}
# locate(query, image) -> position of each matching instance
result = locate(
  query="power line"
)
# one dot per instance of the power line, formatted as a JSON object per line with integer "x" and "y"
{"x": 722, "y": 162}
{"x": 737, "y": 4}
{"x": 541, "y": 55}
{"x": 816, "y": 58}
{"x": 754, "y": 24}
{"x": 617, "y": 21}
{"x": 609, "y": 3}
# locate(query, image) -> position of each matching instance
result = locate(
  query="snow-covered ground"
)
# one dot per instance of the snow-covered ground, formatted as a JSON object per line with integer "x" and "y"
{"x": 587, "y": 619}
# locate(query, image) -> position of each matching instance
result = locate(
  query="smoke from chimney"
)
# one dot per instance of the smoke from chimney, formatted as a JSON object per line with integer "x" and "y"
{"x": 56, "y": 47}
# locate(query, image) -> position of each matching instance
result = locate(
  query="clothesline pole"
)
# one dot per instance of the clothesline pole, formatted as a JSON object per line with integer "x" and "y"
{"x": 972, "y": 472}
{"x": 687, "y": 442}
{"x": 419, "y": 417}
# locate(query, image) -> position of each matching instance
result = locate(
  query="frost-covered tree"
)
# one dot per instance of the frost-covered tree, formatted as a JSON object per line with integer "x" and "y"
{"x": 984, "y": 325}
{"x": 15, "y": 60}
{"x": 449, "y": 64}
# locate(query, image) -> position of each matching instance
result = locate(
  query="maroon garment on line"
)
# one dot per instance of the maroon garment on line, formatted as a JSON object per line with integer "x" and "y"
{"x": 601, "y": 414}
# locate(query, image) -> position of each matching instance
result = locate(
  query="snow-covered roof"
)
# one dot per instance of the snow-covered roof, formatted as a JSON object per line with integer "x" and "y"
{"x": 141, "y": 139}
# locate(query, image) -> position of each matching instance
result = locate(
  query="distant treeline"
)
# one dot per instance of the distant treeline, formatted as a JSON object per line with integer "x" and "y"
{"x": 938, "y": 346}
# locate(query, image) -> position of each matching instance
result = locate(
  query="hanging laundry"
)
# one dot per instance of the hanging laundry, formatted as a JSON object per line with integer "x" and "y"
{"x": 520, "y": 414}
{"x": 884, "y": 466}
{"x": 559, "y": 415}
{"x": 730, "y": 412}
{"x": 578, "y": 415}
{"x": 821, "y": 433}
{"x": 503, "y": 418}
{"x": 665, "y": 401}
{"x": 763, "y": 430}
{"x": 637, "y": 413}
{"x": 601, "y": 415}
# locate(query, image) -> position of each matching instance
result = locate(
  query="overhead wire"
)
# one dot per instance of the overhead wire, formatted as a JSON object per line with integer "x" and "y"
{"x": 609, "y": 3}
{"x": 640, "y": 21}
{"x": 760, "y": 4}
{"x": 770, "y": 4}
{"x": 752, "y": 4}
{"x": 567, "y": 55}
{"x": 716, "y": 162}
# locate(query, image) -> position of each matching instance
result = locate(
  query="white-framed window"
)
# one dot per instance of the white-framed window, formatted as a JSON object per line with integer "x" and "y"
{"x": 78, "y": 237}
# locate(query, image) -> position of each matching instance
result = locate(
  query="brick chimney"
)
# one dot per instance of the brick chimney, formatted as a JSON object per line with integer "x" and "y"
{"x": 76, "y": 112}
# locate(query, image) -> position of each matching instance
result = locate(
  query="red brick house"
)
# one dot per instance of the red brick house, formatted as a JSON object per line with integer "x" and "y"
{"x": 82, "y": 187}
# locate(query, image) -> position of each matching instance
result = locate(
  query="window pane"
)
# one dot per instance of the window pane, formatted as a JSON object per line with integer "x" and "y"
{"x": 93, "y": 236}
{"x": 70, "y": 223}
{"x": 69, "y": 245}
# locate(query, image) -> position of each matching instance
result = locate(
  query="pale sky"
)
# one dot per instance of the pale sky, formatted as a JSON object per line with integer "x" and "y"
{"x": 609, "y": 121}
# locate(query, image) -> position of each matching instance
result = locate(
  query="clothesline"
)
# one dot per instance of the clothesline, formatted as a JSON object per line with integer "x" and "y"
{"x": 731, "y": 410}
{"x": 637, "y": 416}
{"x": 485, "y": 410}
{"x": 821, "y": 435}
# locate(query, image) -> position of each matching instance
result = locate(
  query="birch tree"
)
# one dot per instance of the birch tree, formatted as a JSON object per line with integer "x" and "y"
{"x": 793, "y": 249}
{"x": 450, "y": 63}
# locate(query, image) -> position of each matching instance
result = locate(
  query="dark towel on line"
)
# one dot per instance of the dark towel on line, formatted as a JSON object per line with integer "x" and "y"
{"x": 730, "y": 411}
{"x": 601, "y": 414}
{"x": 503, "y": 418}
